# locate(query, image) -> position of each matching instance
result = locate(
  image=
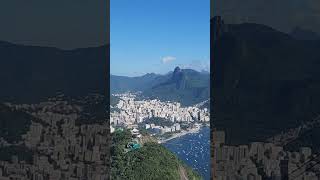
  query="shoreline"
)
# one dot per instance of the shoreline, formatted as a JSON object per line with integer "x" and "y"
{"x": 182, "y": 133}
{"x": 183, "y": 152}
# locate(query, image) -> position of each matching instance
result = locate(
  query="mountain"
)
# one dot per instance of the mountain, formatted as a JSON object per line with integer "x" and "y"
{"x": 265, "y": 81}
{"x": 120, "y": 84}
{"x": 151, "y": 160}
{"x": 32, "y": 73}
{"x": 302, "y": 34}
{"x": 184, "y": 85}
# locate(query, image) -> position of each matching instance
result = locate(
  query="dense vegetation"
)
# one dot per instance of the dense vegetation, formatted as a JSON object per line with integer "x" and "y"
{"x": 265, "y": 81}
{"x": 114, "y": 100}
{"x": 185, "y": 86}
{"x": 152, "y": 161}
{"x": 121, "y": 84}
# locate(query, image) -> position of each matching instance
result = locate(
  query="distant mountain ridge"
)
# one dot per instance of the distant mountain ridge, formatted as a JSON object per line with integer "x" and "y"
{"x": 303, "y": 34}
{"x": 184, "y": 85}
{"x": 120, "y": 84}
{"x": 33, "y": 73}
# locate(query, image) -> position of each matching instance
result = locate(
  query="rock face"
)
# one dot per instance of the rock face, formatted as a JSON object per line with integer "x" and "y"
{"x": 179, "y": 78}
{"x": 176, "y": 70}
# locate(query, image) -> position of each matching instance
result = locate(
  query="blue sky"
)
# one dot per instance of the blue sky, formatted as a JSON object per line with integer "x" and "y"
{"x": 157, "y": 35}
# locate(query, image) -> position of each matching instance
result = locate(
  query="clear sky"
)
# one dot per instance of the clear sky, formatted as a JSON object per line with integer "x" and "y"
{"x": 157, "y": 35}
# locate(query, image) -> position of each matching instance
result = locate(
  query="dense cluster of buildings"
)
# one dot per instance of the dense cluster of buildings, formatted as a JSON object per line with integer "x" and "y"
{"x": 132, "y": 111}
{"x": 261, "y": 160}
{"x": 163, "y": 129}
{"x": 60, "y": 148}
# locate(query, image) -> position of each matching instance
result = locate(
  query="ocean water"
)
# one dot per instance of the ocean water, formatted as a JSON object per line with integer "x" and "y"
{"x": 194, "y": 150}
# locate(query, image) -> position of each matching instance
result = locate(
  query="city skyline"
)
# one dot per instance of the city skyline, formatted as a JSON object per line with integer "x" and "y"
{"x": 173, "y": 34}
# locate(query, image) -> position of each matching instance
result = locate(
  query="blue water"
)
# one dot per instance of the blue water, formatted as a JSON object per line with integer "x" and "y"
{"x": 194, "y": 150}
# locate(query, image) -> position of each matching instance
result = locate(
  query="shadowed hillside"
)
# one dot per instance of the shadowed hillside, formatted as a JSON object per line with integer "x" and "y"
{"x": 31, "y": 73}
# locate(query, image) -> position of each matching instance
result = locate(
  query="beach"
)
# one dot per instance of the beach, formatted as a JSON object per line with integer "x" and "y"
{"x": 182, "y": 133}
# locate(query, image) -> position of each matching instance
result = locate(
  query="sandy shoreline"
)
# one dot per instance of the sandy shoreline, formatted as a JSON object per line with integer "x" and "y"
{"x": 182, "y": 133}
